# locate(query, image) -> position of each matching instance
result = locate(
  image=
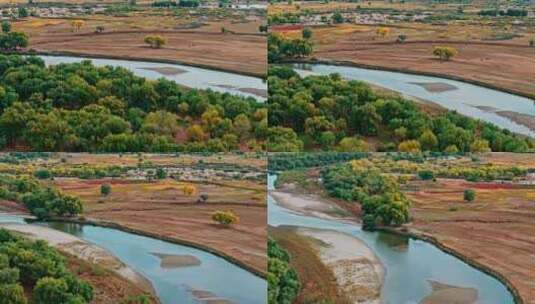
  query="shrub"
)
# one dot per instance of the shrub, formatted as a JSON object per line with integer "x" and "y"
{"x": 225, "y": 218}
{"x": 161, "y": 173}
{"x": 42, "y": 174}
{"x": 469, "y": 195}
{"x": 105, "y": 189}
{"x": 426, "y": 174}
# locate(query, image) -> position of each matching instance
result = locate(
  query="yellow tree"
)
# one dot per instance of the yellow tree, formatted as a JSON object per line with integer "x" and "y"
{"x": 445, "y": 53}
{"x": 155, "y": 41}
{"x": 383, "y": 31}
{"x": 189, "y": 189}
{"x": 77, "y": 24}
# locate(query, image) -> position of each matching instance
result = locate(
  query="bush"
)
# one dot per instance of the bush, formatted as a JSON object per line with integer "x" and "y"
{"x": 426, "y": 174}
{"x": 469, "y": 195}
{"x": 105, "y": 189}
{"x": 42, "y": 174}
{"x": 225, "y": 218}
{"x": 161, "y": 173}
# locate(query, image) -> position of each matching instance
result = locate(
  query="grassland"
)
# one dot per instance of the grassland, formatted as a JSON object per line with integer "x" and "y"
{"x": 193, "y": 37}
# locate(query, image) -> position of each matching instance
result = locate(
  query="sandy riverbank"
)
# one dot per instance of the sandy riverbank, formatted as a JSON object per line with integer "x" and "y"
{"x": 358, "y": 271}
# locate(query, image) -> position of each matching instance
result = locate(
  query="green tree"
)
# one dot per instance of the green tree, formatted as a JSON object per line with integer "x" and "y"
{"x": 6, "y": 26}
{"x": 105, "y": 189}
{"x": 161, "y": 173}
{"x": 469, "y": 195}
{"x": 306, "y": 33}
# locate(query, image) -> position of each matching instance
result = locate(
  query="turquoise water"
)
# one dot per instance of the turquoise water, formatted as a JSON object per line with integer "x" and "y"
{"x": 409, "y": 263}
{"x": 192, "y": 77}
{"x": 464, "y": 99}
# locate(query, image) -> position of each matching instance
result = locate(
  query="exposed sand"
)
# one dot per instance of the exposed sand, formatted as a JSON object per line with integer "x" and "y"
{"x": 358, "y": 271}
{"x": 520, "y": 118}
{"x": 309, "y": 204}
{"x": 167, "y": 70}
{"x": 169, "y": 261}
{"x": 80, "y": 249}
{"x": 449, "y": 294}
{"x": 436, "y": 87}
{"x": 207, "y": 297}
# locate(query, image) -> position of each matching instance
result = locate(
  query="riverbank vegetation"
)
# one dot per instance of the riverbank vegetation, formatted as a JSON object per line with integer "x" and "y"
{"x": 80, "y": 107}
{"x": 40, "y": 270}
{"x": 330, "y": 113}
{"x": 379, "y": 195}
{"x": 41, "y": 201}
{"x": 283, "y": 283}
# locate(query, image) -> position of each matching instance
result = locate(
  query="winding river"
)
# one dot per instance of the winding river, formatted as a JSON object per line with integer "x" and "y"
{"x": 188, "y": 76}
{"x": 471, "y": 100}
{"x": 226, "y": 281}
{"x": 410, "y": 264}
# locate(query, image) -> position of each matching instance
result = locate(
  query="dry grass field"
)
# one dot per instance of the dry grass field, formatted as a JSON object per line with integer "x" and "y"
{"x": 507, "y": 64}
{"x": 496, "y": 230}
{"x": 241, "y": 48}
{"x": 162, "y": 208}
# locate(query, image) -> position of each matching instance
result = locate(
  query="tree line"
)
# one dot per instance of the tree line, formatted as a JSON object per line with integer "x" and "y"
{"x": 41, "y": 201}
{"x": 330, "y": 113}
{"x": 81, "y": 107}
{"x": 35, "y": 265}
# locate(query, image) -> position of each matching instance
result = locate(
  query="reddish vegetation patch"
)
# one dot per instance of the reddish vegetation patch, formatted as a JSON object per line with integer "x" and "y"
{"x": 496, "y": 230}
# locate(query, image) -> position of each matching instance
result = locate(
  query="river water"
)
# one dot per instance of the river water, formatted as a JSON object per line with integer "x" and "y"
{"x": 216, "y": 275}
{"x": 188, "y": 76}
{"x": 467, "y": 99}
{"x": 410, "y": 264}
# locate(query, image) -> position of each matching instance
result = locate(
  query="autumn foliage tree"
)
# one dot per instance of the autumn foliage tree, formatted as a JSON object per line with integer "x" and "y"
{"x": 445, "y": 53}
{"x": 155, "y": 41}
